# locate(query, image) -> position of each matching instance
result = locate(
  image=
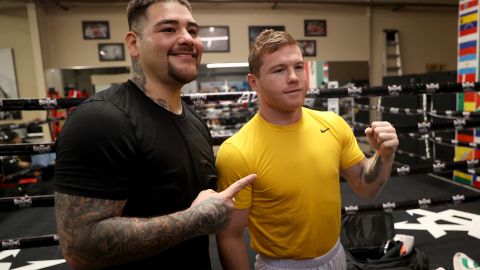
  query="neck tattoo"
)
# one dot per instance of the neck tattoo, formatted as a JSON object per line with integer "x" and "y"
{"x": 160, "y": 102}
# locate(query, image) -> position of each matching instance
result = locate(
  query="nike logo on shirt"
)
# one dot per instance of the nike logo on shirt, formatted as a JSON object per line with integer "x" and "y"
{"x": 324, "y": 130}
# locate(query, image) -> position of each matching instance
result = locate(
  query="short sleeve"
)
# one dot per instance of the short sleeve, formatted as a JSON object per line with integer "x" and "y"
{"x": 351, "y": 152}
{"x": 231, "y": 166}
{"x": 96, "y": 152}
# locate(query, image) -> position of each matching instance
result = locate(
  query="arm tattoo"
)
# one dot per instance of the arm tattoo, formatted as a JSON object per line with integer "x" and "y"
{"x": 93, "y": 232}
{"x": 372, "y": 171}
{"x": 137, "y": 75}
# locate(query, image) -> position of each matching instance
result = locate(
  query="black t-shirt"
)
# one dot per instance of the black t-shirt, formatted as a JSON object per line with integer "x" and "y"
{"x": 120, "y": 145}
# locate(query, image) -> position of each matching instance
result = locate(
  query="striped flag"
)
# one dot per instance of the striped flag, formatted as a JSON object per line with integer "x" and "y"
{"x": 468, "y": 28}
{"x": 467, "y": 48}
{"x": 463, "y": 178}
{"x": 466, "y": 136}
{"x": 466, "y": 102}
{"x": 468, "y": 4}
{"x": 463, "y": 153}
{"x": 471, "y": 77}
{"x": 468, "y": 17}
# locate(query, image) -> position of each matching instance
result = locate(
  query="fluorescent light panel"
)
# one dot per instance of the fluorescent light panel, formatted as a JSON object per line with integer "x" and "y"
{"x": 209, "y": 39}
{"x": 226, "y": 65}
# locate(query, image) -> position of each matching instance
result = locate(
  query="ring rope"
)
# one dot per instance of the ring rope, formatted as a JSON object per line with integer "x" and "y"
{"x": 26, "y": 148}
{"x": 425, "y": 127}
{"x": 398, "y": 151}
{"x": 421, "y": 127}
{"x": 250, "y": 96}
{"x": 435, "y": 167}
{"x": 350, "y": 91}
{"x": 53, "y": 239}
{"x": 410, "y": 204}
{"x": 14, "y": 104}
{"x": 408, "y": 111}
{"x": 454, "y": 142}
{"x": 26, "y": 202}
{"x": 30, "y": 242}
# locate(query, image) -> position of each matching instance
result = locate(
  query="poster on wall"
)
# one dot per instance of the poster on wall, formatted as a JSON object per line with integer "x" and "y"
{"x": 8, "y": 82}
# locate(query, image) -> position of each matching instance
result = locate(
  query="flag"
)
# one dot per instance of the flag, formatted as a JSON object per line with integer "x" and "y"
{"x": 476, "y": 182}
{"x": 468, "y": 47}
{"x": 463, "y": 153}
{"x": 468, "y": 4}
{"x": 477, "y": 137}
{"x": 468, "y": 17}
{"x": 466, "y": 102}
{"x": 462, "y": 177}
{"x": 465, "y": 135}
{"x": 471, "y": 77}
{"x": 468, "y": 28}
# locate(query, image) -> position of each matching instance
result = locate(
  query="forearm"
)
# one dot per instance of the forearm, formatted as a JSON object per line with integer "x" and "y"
{"x": 376, "y": 172}
{"x": 116, "y": 240}
{"x": 232, "y": 251}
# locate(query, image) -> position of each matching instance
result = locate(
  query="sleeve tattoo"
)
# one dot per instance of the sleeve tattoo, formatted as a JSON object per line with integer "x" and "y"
{"x": 92, "y": 231}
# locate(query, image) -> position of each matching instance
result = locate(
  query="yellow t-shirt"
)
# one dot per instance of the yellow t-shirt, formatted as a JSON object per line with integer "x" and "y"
{"x": 295, "y": 200}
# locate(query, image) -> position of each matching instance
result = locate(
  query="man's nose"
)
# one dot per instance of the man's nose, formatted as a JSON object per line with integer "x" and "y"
{"x": 186, "y": 38}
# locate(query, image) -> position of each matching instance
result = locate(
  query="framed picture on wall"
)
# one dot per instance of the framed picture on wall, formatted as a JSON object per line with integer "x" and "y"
{"x": 308, "y": 47}
{"x": 96, "y": 30}
{"x": 215, "y": 38}
{"x": 315, "y": 28}
{"x": 111, "y": 52}
{"x": 253, "y": 31}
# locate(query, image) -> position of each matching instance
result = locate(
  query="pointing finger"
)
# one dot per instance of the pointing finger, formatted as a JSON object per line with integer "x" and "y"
{"x": 236, "y": 187}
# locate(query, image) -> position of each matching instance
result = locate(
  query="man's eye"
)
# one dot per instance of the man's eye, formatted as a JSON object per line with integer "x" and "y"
{"x": 193, "y": 32}
{"x": 168, "y": 30}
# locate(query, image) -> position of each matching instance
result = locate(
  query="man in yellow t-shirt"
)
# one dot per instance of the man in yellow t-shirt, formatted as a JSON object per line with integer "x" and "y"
{"x": 293, "y": 208}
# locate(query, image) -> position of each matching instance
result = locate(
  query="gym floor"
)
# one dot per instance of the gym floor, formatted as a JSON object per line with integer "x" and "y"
{"x": 439, "y": 248}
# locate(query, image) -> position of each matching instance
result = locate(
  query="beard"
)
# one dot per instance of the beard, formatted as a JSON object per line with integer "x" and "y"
{"x": 182, "y": 76}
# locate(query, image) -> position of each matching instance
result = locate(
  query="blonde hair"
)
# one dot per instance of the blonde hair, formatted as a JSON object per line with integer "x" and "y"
{"x": 267, "y": 42}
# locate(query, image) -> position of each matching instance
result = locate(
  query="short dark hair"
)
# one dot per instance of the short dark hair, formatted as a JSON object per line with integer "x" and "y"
{"x": 268, "y": 41}
{"x": 136, "y": 11}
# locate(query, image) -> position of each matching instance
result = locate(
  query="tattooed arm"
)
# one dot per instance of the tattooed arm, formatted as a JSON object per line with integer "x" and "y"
{"x": 367, "y": 177}
{"x": 94, "y": 235}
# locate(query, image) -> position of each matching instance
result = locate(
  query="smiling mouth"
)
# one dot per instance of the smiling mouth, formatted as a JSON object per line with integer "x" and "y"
{"x": 293, "y": 91}
{"x": 185, "y": 54}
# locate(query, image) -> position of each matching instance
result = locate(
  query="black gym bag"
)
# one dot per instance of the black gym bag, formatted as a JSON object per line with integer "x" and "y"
{"x": 364, "y": 237}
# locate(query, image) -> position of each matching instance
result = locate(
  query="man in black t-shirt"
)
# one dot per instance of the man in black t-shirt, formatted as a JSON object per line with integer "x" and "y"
{"x": 135, "y": 167}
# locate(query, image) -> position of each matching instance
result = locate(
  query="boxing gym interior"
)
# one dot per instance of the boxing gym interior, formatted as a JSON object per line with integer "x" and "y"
{"x": 412, "y": 63}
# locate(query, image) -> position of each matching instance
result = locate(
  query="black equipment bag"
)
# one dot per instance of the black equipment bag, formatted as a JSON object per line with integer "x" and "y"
{"x": 364, "y": 236}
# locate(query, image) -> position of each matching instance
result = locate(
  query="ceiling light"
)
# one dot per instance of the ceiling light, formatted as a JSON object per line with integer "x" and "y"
{"x": 226, "y": 65}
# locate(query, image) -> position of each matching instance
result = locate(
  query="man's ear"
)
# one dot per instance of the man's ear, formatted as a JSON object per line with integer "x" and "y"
{"x": 131, "y": 39}
{"x": 252, "y": 81}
